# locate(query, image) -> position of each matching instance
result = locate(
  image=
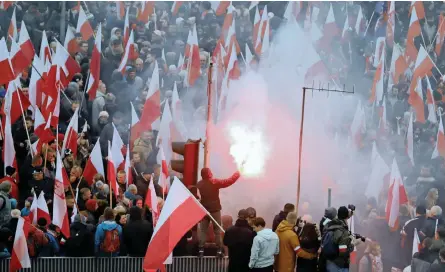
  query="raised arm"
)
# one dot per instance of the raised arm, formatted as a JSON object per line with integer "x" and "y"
{"x": 224, "y": 183}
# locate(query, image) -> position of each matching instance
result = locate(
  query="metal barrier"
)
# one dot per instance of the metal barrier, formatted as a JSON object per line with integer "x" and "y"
{"x": 91, "y": 264}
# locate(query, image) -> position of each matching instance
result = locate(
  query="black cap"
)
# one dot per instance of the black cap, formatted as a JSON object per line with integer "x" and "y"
{"x": 37, "y": 170}
{"x": 77, "y": 78}
{"x": 10, "y": 170}
{"x": 77, "y": 35}
{"x": 343, "y": 213}
{"x": 68, "y": 152}
{"x": 130, "y": 69}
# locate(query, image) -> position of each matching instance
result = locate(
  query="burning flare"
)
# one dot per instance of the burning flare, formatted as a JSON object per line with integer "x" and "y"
{"x": 248, "y": 146}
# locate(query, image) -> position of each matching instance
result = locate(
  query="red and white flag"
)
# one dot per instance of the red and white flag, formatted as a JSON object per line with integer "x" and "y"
{"x": 192, "y": 53}
{"x": 70, "y": 42}
{"x": 94, "y": 164}
{"x": 353, "y": 255}
{"x": 233, "y": 71}
{"x": 377, "y": 84}
{"x": 128, "y": 55}
{"x": 293, "y": 9}
{"x": 180, "y": 131}
{"x": 134, "y": 128}
{"x": 111, "y": 172}
{"x": 390, "y": 27}
{"x": 20, "y": 256}
{"x": 261, "y": 30}
{"x": 416, "y": 242}
{"x": 228, "y": 22}
{"x": 410, "y": 139}
{"x": 181, "y": 210}
{"x": 146, "y": 10}
{"x": 42, "y": 128}
{"x": 94, "y": 78}
{"x": 126, "y": 35}
{"x": 379, "y": 169}
{"x": 164, "y": 178}
{"x": 415, "y": 99}
{"x": 383, "y": 124}
{"x": 440, "y": 34}
{"x": 5, "y": 64}
{"x": 60, "y": 211}
{"x": 379, "y": 51}
{"x": 358, "y": 125}
{"x": 15, "y": 101}
{"x": 36, "y": 83}
{"x": 67, "y": 68}
{"x": 256, "y": 26}
{"x": 33, "y": 210}
{"x": 25, "y": 44}
{"x": 165, "y": 128}
{"x": 8, "y": 146}
{"x": 360, "y": 23}
{"x": 127, "y": 168}
{"x": 418, "y": 5}
{"x": 249, "y": 58}
{"x": 439, "y": 150}
{"x": 414, "y": 27}
{"x": 6, "y": 4}
{"x": 84, "y": 26}
{"x": 175, "y": 7}
{"x": 231, "y": 40}
{"x": 70, "y": 140}
{"x": 151, "y": 200}
{"x": 396, "y": 197}
{"x": 18, "y": 59}
{"x": 120, "y": 9}
{"x": 345, "y": 28}
{"x": 398, "y": 64}
{"x": 42, "y": 208}
{"x": 432, "y": 117}
{"x": 75, "y": 211}
{"x": 152, "y": 108}
{"x": 116, "y": 147}
{"x": 12, "y": 30}
{"x": 45, "y": 50}
{"x": 330, "y": 28}
{"x": 220, "y": 7}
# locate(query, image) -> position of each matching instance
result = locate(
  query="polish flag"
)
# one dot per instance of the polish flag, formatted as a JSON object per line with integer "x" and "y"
{"x": 353, "y": 255}
{"x": 116, "y": 147}
{"x": 60, "y": 212}
{"x": 293, "y": 9}
{"x": 231, "y": 40}
{"x": 45, "y": 50}
{"x": 33, "y": 210}
{"x": 164, "y": 178}
{"x": 410, "y": 139}
{"x": 8, "y": 146}
{"x": 233, "y": 71}
{"x": 256, "y": 26}
{"x": 416, "y": 242}
{"x": 175, "y": 7}
{"x": 15, "y": 101}
{"x": 345, "y": 28}
{"x": 46, "y": 137}
{"x": 20, "y": 256}
{"x": 220, "y": 7}
{"x": 84, "y": 26}
{"x": 249, "y": 58}
{"x": 414, "y": 27}
{"x": 432, "y": 117}
{"x": 164, "y": 135}
{"x": 134, "y": 128}
{"x": 391, "y": 24}
{"x": 63, "y": 68}
{"x": 440, "y": 34}
{"x": 396, "y": 197}
{"x": 181, "y": 210}
{"x": 12, "y": 30}
{"x": 265, "y": 45}
{"x": 379, "y": 50}
{"x": 18, "y": 60}
{"x": 192, "y": 52}
{"x": 70, "y": 42}
{"x": 151, "y": 200}
{"x": 128, "y": 55}
{"x": 417, "y": 6}
{"x": 94, "y": 164}
{"x": 261, "y": 30}
{"x": 42, "y": 127}
{"x": 70, "y": 140}
{"x": 126, "y": 35}
{"x": 358, "y": 125}
{"x": 360, "y": 23}
{"x": 111, "y": 172}
{"x": 383, "y": 124}
{"x": 147, "y": 9}
{"x": 228, "y": 22}
{"x": 440, "y": 142}
{"x": 25, "y": 44}
{"x": 36, "y": 83}
{"x": 6, "y": 4}
{"x": 330, "y": 28}
{"x": 398, "y": 64}
{"x": 379, "y": 169}
{"x": 5, "y": 64}
{"x": 75, "y": 211}
{"x": 94, "y": 78}
{"x": 416, "y": 100}
{"x": 181, "y": 65}
{"x": 127, "y": 168}
{"x": 120, "y": 9}
{"x": 377, "y": 84}
{"x": 152, "y": 107}
{"x": 42, "y": 208}
{"x": 55, "y": 113}
{"x": 314, "y": 66}
{"x": 177, "y": 116}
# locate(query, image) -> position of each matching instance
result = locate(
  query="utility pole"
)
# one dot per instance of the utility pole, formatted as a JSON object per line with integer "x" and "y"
{"x": 209, "y": 114}
{"x": 63, "y": 22}
{"x": 300, "y": 150}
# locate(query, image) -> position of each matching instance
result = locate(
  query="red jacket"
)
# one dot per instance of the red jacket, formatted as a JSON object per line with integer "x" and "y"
{"x": 14, "y": 187}
{"x": 209, "y": 189}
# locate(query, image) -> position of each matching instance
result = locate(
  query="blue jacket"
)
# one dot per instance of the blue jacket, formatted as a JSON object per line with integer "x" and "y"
{"x": 52, "y": 248}
{"x": 265, "y": 247}
{"x": 100, "y": 236}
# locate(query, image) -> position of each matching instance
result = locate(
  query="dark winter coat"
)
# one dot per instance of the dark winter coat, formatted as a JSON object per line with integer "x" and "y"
{"x": 437, "y": 267}
{"x": 209, "y": 189}
{"x": 239, "y": 239}
{"x": 137, "y": 234}
{"x": 429, "y": 227}
{"x": 277, "y": 220}
{"x": 341, "y": 238}
{"x": 81, "y": 241}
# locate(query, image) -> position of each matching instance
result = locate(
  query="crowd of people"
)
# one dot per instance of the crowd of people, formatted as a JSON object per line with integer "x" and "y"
{"x": 106, "y": 225}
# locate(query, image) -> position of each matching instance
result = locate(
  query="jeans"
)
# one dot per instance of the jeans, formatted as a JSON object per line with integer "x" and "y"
{"x": 332, "y": 267}
{"x": 263, "y": 269}
{"x": 204, "y": 227}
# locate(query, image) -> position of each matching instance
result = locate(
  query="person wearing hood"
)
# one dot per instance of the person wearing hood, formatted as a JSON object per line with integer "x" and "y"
{"x": 5, "y": 203}
{"x": 108, "y": 236}
{"x": 329, "y": 215}
{"x": 209, "y": 189}
{"x": 137, "y": 233}
{"x": 120, "y": 89}
{"x": 134, "y": 82}
{"x": 289, "y": 245}
{"x": 239, "y": 240}
{"x": 81, "y": 241}
{"x": 98, "y": 105}
{"x": 265, "y": 247}
{"x": 282, "y": 215}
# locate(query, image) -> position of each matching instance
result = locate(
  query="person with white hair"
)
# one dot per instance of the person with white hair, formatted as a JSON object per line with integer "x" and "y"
{"x": 433, "y": 221}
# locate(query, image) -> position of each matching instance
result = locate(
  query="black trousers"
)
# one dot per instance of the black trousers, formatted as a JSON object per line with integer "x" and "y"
{"x": 263, "y": 269}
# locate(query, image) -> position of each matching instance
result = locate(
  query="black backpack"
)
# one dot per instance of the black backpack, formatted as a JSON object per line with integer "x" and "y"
{"x": 328, "y": 246}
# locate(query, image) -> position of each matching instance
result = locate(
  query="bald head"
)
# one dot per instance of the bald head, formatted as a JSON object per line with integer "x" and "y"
{"x": 139, "y": 64}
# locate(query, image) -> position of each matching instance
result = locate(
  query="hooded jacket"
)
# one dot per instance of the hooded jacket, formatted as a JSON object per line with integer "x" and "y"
{"x": 343, "y": 240}
{"x": 137, "y": 234}
{"x": 289, "y": 248}
{"x": 239, "y": 239}
{"x": 100, "y": 236}
{"x": 265, "y": 247}
{"x": 209, "y": 189}
{"x": 278, "y": 219}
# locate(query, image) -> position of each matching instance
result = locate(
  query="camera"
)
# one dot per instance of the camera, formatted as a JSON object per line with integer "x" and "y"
{"x": 358, "y": 236}
{"x": 351, "y": 207}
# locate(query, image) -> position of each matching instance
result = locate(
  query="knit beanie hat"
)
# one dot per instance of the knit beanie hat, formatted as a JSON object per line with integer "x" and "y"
{"x": 91, "y": 205}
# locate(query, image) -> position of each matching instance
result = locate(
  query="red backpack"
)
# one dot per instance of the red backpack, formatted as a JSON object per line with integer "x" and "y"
{"x": 111, "y": 243}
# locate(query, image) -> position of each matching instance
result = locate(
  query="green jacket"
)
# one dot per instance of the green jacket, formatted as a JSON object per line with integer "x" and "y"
{"x": 343, "y": 240}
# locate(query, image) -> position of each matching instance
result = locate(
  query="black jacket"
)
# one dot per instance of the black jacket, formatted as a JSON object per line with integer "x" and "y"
{"x": 137, "y": 235}
{"x": 46, "y": 185}
{"x": 429, "y": 226}
{"x": 239, "y": 240}
{"x": 81, "y": 241}
{"x": 277, "y": 220}
{"x": 437, "y": 267}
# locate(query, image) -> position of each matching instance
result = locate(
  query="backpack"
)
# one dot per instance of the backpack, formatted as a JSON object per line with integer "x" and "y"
{"x": 329, "y": 246}
{"x": 111, "y": 241}
{"x": 35, "y": 243}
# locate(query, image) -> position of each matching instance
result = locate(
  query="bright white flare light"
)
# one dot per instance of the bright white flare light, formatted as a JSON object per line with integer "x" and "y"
{"x": 249, "y": 145}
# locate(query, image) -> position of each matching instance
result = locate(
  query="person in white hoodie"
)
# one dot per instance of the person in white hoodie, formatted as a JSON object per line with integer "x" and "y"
{"x": 265, "y": 247}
